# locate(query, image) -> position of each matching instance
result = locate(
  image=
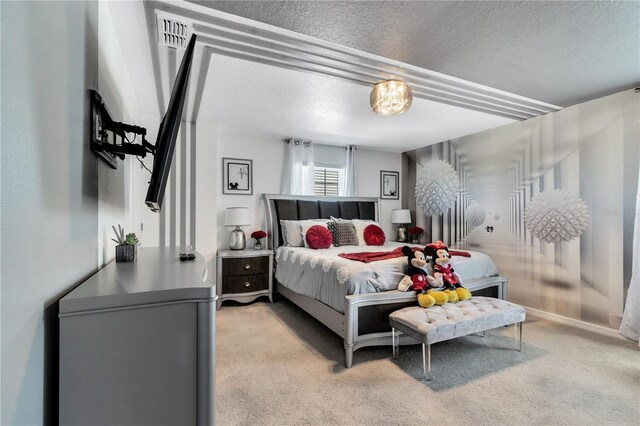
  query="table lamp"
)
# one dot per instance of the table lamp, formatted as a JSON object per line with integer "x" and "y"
{"x": 237, "y": 216}
{"x": 401, "y": 217}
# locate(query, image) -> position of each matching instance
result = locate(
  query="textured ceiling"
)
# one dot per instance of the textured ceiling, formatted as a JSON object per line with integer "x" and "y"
{"x": 558, "y": 52}
{"x": 280, "y": 103}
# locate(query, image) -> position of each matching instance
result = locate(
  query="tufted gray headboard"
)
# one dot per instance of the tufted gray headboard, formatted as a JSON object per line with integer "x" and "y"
{"x": 299, "y": 207}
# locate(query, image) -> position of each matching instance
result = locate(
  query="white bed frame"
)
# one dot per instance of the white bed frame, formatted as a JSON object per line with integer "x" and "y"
{"x": 360, "y": 325}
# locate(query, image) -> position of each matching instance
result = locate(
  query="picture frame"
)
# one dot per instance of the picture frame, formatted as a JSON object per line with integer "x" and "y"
{"x": 389, "y": 185}
{"x": 237, "y": 176}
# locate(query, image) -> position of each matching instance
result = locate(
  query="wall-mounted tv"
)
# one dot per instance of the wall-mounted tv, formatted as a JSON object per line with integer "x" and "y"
{"x": 108, "y": 138}
{"x": 168, "y": 132}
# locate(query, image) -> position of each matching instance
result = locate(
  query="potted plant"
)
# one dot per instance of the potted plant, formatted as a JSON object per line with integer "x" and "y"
{"x": 126, "y": 248}
{"x": 257, "y": 236}
{"x": 415, "y": 233}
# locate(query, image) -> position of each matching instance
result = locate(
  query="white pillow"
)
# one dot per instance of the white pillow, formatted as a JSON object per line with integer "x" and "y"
{"x": 291, "y": 233}
{"x": 360, "y": 224}
{"x": 306, "y": 224}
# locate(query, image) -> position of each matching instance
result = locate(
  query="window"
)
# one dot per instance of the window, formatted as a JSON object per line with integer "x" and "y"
{"x": 329, "y": 181}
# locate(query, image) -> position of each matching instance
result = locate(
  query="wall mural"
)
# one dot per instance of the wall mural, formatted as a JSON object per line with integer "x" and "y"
{"x": 550, "y": 199}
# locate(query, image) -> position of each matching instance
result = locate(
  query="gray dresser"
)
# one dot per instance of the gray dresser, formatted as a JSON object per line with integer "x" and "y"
{"x": 137, "y": 344}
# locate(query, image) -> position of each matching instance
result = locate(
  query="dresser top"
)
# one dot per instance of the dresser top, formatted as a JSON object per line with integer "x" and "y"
{"x": 157, "y": 275}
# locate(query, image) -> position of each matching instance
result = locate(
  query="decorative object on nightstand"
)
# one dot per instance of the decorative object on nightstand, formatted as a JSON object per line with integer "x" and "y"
{"x": 126, "y": 248}
{"x": 257, "y": 236}
{"x": 244, "y": 276}
{"x": 237, "y": 216}
{"x": 414, "y": 234}
{"x": 401, "y": 217}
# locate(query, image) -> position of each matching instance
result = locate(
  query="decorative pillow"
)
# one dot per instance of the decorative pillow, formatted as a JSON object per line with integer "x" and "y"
{"x": 292, "y": 233}
{"x": 318, "y": 237}
{"x": 343, "y": 232}
{"x": 360, "y": 224}
{"x": 307, "y": 224}
{"x": 374, "y": 235}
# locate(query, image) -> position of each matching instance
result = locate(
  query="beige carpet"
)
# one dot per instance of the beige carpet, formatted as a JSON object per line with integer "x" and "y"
{"x": 278, "y": 366}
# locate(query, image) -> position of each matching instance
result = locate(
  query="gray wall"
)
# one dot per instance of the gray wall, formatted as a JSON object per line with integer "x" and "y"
{"x": 591, "y": 150}
{"x": 51, "y": 195}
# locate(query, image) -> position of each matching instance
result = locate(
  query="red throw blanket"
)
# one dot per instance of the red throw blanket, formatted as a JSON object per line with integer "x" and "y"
{"x": 373, "y": 256}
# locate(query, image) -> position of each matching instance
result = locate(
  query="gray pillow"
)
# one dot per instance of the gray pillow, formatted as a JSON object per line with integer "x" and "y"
{"x": 291, "y": 233}
{"x": 343, "y": 233}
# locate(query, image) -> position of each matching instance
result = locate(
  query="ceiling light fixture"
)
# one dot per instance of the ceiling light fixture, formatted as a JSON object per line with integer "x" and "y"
{"x": 390, "y": 97}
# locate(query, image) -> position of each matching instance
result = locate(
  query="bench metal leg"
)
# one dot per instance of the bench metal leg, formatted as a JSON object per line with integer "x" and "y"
{"x": 393, "y": 343}
{"x": 519, "y": 335}
{"x": 426, "y": 361}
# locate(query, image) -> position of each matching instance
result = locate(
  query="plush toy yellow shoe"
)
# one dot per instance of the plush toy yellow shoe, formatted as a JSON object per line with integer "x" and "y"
{"x": 440, "y": 297}
{"x": 463, "y": 293}
{"x": 425, "y": 300}
{"x": 453, "y": 296}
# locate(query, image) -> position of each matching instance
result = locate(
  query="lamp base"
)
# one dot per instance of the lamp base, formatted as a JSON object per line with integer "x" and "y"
{"x": 401, "y": 234}
{"x": 237, "y": 239}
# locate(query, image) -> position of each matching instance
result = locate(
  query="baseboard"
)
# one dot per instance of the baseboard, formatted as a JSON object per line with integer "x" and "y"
{"x": 576, "y": 323}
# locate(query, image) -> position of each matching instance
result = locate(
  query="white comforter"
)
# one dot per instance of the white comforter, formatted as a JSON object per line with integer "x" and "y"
{"x": 323, "y": 275}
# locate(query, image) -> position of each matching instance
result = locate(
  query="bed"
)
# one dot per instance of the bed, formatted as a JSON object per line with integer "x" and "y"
{"x": 352, "y": 298}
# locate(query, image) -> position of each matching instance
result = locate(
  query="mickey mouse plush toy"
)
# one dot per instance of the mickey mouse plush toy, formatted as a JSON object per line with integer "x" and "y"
{"x": 419, "y": 281}
{"x": 443, "y": 272}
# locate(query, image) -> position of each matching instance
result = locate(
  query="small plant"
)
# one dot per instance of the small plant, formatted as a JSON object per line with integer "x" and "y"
{"x": 124, "y": 240}
{"x": 131, "y": 239}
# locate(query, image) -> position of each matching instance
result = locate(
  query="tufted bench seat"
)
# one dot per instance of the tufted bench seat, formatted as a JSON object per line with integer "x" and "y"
{"x": 451, "y": 320}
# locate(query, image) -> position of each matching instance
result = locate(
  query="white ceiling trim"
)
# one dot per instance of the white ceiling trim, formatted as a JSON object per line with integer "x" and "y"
{"x": 241, "y": 38}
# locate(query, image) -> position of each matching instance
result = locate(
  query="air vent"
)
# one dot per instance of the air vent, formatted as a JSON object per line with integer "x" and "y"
{"x": 173, "y": 33}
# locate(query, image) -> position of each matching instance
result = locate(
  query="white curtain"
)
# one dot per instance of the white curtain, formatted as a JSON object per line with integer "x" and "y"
{"x": 630, "y": 326}
{"x": 297, "y": 175}
{"x": 351, "y": 173}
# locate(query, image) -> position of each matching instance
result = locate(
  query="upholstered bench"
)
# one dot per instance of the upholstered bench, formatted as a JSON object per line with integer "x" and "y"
{"x": 451, "y": 320}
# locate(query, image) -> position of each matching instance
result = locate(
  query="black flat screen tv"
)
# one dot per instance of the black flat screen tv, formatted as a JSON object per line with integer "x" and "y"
{"x": 168, "y": 132}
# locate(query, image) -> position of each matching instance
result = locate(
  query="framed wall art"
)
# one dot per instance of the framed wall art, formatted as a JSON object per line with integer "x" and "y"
{"x": 237, "y": 176}
{"x": 389, "y": 185}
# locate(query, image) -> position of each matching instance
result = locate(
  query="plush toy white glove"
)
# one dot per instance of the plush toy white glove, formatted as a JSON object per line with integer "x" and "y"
{"x": 438, "y": 282}
{"x": 405, "y": 283}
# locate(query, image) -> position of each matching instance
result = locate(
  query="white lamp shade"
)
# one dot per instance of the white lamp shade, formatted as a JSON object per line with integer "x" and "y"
{"x": 237, "y": 216}
{"x": 401, "y": 216}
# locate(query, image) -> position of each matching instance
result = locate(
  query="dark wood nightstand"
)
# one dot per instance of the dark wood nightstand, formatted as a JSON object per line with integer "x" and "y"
{"x": 244, "y": 275}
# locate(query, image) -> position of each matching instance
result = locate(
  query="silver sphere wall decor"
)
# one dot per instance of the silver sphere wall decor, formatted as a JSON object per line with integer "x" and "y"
{"x": 475, "y": 215}
{"x": 437, "y": 187}
{"x": 556, "y": 215}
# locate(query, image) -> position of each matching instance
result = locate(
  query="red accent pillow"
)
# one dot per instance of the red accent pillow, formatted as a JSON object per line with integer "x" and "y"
{"x": 373, "y": 235}
{"x": 318, "y": 237}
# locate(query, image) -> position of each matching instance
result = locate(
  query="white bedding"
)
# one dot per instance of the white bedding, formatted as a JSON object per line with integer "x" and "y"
{"x": 323, "y": 275}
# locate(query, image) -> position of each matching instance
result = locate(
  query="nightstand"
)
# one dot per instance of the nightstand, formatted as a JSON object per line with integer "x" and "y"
{"x": 244, "y": 275}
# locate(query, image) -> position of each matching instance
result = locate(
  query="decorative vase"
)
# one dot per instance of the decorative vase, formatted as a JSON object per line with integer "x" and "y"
{"x": 257, "y": 245}
{"x": 125, "y": 253}
{"x": 415, "y": 238}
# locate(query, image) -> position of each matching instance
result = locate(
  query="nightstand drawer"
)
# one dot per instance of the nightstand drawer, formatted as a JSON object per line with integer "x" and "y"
{"x": 245, "y": 284}
{"x": 245, "y": 265}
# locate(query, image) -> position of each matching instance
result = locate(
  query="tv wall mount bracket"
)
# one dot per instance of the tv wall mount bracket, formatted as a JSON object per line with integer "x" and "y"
{"x": 108, "y": 137}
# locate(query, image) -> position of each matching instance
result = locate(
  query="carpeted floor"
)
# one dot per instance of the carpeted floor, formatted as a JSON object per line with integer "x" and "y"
{"x": 276, "y": 365}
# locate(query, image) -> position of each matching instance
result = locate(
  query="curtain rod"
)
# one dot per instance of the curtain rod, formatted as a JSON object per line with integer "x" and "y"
{"x": 287, "y": 140}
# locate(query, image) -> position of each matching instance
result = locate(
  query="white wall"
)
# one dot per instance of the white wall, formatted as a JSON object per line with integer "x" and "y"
{"x": 268, "y": 155}
{"x": 369, "y": 164}
{"x": 58, "y": 200}
{"x": 115, "y": 196}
